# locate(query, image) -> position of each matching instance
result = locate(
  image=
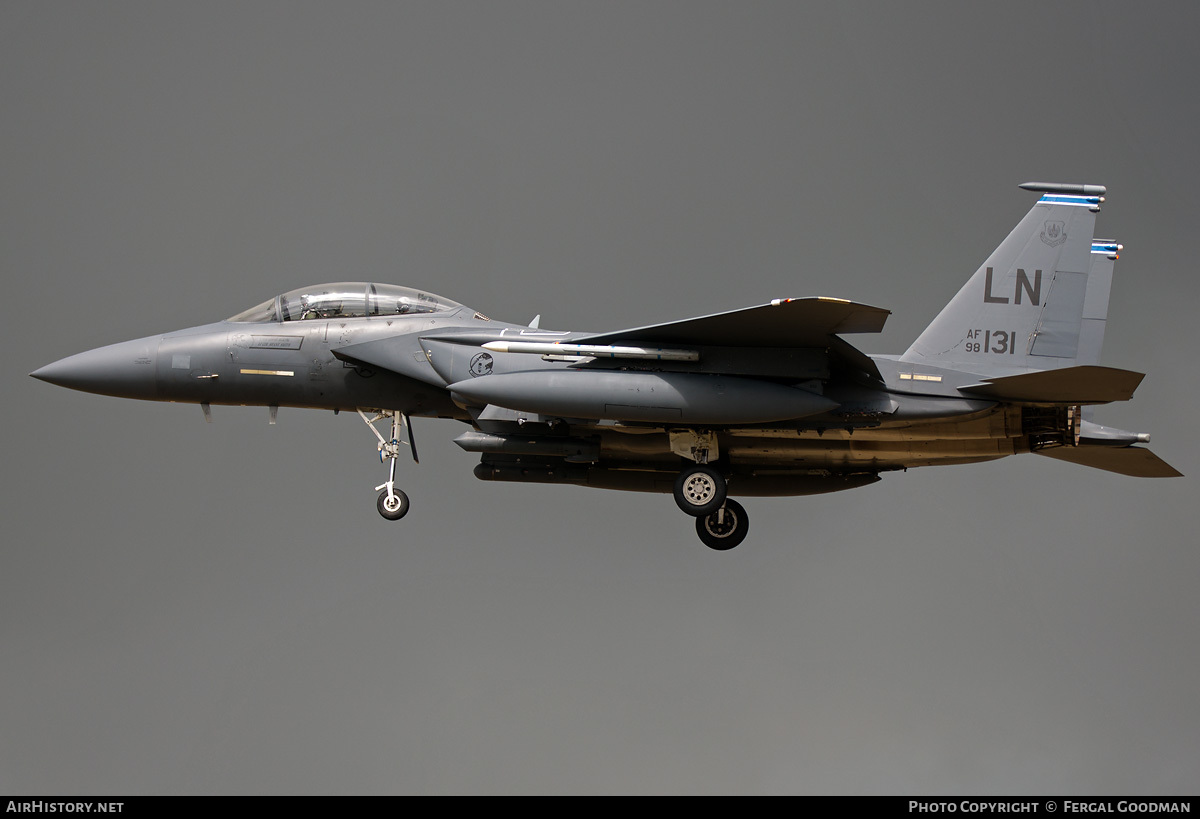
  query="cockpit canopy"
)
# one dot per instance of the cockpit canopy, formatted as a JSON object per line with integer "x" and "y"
{"x": 346, "y": 300}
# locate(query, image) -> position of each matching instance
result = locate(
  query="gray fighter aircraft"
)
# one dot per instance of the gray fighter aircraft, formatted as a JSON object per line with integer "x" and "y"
{"x": 766, "y": 400}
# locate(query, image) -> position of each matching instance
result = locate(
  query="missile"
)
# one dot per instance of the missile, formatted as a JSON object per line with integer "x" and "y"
{"x": 595, "y": 350}
{"x": 1064, "y": 187}
{"x": 671, "y": 398}
{"x": 575, "y": 450}
{"x": 744, "y": 485}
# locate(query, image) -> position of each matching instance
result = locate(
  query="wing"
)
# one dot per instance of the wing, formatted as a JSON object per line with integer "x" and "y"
{"x": 807, "y": 322}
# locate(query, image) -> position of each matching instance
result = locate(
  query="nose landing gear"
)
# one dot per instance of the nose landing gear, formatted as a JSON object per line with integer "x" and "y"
{"x": 392, "y": 502}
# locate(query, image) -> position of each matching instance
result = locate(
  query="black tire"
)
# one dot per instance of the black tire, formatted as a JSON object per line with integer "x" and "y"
{"x": 727, "y": 533}
{"x": 700, "y": 490}
{"x": 401, "y": 505}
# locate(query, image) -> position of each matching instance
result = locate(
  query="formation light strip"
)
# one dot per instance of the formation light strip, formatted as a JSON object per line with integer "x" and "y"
{"x": 245, "y": 371}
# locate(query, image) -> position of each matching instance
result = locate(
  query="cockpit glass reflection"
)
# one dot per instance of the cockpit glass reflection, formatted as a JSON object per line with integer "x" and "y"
{"x": 346, "y": 300}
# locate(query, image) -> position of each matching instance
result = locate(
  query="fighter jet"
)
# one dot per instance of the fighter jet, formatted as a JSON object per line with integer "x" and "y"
{"x": 768, "y": 400}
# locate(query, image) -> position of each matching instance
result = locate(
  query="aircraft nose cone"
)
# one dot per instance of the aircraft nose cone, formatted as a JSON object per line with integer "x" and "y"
{"x": 126, "y": 370}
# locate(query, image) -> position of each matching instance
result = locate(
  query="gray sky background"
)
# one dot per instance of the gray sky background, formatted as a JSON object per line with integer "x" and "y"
{"x": 192, "y": 608}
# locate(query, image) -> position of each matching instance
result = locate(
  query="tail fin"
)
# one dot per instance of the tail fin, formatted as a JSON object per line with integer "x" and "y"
{"x": 1040, "y": 300}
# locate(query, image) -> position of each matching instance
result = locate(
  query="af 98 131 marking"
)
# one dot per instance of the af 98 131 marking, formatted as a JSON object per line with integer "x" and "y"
{"x": 999, "y": 342}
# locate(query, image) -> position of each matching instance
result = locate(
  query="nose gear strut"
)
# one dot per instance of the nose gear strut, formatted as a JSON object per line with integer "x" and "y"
{"x": 392, "y": 503}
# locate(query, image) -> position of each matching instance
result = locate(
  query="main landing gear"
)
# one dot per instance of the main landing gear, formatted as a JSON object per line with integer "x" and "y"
{"x": 392, "y": 502}
{"x": 724, "y": 528}
{"x": 721, "y": 522}
{"x": 702, "y": 492}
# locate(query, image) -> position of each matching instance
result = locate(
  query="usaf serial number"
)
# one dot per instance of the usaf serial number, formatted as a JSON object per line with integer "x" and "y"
{"x": 999, "y": 342}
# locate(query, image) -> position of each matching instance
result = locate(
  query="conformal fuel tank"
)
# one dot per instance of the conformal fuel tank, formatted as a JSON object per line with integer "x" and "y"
{"x": 683, "y": 398}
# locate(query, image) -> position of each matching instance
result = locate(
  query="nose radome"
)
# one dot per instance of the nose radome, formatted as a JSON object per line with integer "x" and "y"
{"x": 126, "y": 370}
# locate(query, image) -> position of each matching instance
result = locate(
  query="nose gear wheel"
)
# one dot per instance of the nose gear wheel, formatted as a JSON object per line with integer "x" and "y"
{"x": 392, "y": 506}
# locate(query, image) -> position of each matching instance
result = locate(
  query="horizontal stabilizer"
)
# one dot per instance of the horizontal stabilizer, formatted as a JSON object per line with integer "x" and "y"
{"x": 1087, "y": 384}
{"x": 783, "y": 323}
{"x": 1135, "y": 461}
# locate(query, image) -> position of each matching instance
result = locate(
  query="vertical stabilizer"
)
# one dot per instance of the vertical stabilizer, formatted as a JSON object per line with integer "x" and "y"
{"x": 1095, "y": 306}
{"x": 1038, "y": 302}
{"x": 1095, "y": 301}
